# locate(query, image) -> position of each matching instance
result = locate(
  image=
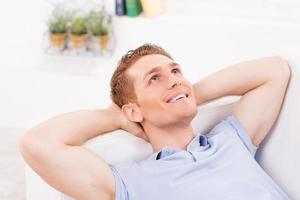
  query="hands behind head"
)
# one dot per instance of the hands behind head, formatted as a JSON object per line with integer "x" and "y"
{"x": 129, "y": 126}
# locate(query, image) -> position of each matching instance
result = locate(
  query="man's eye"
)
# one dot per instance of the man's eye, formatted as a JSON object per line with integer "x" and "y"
{"x": 176, "y": 70}
{"x": 153, "y": 78}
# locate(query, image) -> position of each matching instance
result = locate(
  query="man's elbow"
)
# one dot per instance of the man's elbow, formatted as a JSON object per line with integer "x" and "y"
{"x": 30, "y": 146}
{"x": 26, "y": 145}
{"x": 279, "y": 71}
{"x": 283, "y": 68}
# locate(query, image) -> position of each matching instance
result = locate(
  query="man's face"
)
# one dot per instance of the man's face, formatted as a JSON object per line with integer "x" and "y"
{"x": 164, "y": 96}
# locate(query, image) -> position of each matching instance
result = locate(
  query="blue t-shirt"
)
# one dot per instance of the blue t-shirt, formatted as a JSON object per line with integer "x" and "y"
{"x": 217, "y": 165}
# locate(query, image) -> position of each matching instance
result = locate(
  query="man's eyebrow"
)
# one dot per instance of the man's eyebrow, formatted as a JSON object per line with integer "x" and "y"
{"x": 158, "y": 68}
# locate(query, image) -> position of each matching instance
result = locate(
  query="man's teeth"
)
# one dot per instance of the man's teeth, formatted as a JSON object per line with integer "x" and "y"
{"x": 178, "y": 97}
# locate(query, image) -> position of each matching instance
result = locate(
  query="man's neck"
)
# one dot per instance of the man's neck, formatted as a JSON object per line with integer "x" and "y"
{"x": 178, "y": 137}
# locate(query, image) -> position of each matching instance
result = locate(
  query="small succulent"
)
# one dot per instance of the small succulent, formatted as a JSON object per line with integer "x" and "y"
{"x": 59, "y": 20}
{"x": 78, "y": 26}
{"x": 99, "y": 22}
{"x": 58, "y": 26}
{"x": 106, "y": 24}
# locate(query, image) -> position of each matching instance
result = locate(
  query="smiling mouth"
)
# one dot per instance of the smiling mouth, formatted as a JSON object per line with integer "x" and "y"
{"x": 178, "y": 97}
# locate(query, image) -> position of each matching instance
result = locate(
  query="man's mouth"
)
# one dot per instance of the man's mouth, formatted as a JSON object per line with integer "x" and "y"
{"x": 177, "y": 97}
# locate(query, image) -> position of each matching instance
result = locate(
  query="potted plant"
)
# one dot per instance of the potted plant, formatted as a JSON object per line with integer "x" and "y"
{"x": 78, "y": 32}
{"x": 99, "y": 24}
{"x": 57, "y": 26}
{"x": 105, "y": 31}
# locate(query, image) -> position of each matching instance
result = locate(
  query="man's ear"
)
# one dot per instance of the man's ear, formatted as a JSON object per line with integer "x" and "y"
{"x": 132, "y": 112}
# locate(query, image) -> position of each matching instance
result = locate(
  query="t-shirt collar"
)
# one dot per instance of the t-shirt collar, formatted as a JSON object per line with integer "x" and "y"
{"x": 199, "y": 140}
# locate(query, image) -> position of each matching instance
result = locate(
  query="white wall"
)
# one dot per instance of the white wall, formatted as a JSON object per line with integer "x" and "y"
{"x": 25, "y": 21}
{"x": 203, "y": 37}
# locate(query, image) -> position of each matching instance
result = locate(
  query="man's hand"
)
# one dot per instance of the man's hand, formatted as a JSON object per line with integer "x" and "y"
{"x": 131, "y": 127}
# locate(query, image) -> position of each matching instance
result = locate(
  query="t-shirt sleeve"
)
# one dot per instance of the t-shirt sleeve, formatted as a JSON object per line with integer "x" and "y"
{"x": 121, "y": 192}
{"x": 238, "y": 128}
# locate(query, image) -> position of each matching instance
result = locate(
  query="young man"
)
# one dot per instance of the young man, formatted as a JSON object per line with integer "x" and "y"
{"x": 153, "y": 100}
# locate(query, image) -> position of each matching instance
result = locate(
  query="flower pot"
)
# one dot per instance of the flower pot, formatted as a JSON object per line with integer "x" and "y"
{"x": 99, "y": 44}
{"x": 104, "y": 40}
{"x": 78, "y": 41}
{"x": 57, "y": 40}
{"x": 94, "y": 43}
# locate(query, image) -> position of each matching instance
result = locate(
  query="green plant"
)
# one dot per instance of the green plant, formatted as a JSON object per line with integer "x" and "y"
{"x": 99, "y": 22}
{"x": 95, "y": 23}
{"x": 59, "y": 20}
{"x": 106, "y": 24}
{"x": 58, "y": 26}
{"x": 78, "y": 26}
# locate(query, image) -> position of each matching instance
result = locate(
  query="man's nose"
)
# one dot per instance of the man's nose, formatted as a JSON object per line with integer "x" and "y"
{"x": 173, "y": 82}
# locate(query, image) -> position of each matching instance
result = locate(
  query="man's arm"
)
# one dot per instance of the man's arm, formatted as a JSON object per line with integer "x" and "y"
{"x": 53, "y": 150}
{"x": 262, "y": 84}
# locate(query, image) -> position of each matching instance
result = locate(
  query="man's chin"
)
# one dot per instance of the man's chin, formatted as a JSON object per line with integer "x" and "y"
{"x": 185, "y": 114}
{"x": 175, "y": 119}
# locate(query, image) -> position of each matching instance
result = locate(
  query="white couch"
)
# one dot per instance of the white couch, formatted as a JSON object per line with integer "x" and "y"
{"x": 277, "y": 154}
